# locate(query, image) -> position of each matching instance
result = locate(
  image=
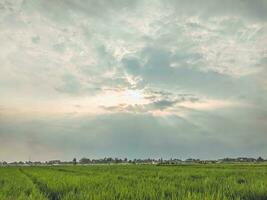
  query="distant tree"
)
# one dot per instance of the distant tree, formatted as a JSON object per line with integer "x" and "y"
{"x": 4, "y": 163}
{"x": 74, "y": 161}
{"x": 260, "y": 159}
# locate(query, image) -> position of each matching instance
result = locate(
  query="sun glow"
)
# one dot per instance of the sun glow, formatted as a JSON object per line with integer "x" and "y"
{"x": 133, "y": 97}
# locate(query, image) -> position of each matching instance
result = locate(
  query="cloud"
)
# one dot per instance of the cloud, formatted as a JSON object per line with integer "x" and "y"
{"x": 171, "y": 77}
{"x": 162, "y": 104}
{"x": 130, "y": 135}
{"x": 250, "y": 10}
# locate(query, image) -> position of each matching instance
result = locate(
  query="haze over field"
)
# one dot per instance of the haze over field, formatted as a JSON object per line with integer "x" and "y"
{"x": 134, "y": 79}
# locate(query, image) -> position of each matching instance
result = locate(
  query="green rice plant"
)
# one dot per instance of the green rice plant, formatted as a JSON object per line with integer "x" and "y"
{"x": 14, "y": 185}
{"x": 148, "y": 182}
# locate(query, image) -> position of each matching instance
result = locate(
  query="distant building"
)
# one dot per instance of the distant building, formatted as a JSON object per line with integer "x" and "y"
{"x": 54, "y": 162}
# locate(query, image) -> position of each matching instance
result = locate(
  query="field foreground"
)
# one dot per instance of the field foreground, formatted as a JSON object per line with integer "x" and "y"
{"x": 193, "y": 182}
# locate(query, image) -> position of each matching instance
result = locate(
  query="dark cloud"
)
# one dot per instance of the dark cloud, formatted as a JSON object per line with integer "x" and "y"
{"x": 162, "y": 104}
{"x": 130, "y": 135}
{"x": 158, "y": 72}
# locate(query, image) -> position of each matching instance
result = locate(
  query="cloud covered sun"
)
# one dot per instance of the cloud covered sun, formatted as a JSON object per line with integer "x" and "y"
{"x": 133, "y": 97}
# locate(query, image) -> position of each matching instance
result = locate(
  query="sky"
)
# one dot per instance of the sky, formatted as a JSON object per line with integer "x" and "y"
{"x": 136, "y": 79}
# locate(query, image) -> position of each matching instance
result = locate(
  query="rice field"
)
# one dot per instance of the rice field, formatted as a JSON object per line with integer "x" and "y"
{"x": 191, "y": 182}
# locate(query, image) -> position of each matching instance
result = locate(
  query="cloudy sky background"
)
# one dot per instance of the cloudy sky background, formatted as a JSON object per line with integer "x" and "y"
{"x": 134, "y": 79}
